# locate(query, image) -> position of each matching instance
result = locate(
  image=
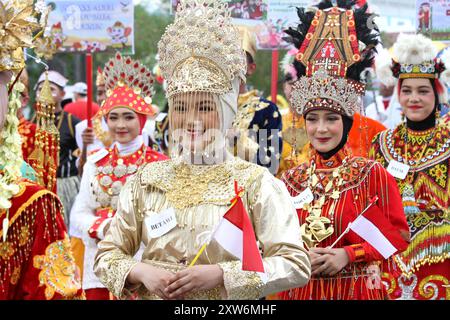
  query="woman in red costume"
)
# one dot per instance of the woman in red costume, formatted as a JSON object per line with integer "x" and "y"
{"x": 334, "y": 188}
{"x": 126, "y": 109}
{"x": 417, "y": 152}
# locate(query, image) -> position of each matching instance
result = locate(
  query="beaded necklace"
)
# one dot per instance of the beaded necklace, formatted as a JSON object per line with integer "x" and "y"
{"x": 317, "y": 228}
{"x": 408, "y": 196}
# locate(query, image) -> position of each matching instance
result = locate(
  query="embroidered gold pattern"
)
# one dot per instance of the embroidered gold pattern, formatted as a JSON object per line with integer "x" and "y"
{"x": 6, "y": 250}
{"x": 58, "y": 270}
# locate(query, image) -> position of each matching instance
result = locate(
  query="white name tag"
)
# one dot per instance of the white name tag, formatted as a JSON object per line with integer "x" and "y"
{"x": 303, "y": 198}
{"x": 160, "y": 116}
{"x": 160, "y": 223}
{"x": 100, "y": 154}
{"x": 397, "y": 169}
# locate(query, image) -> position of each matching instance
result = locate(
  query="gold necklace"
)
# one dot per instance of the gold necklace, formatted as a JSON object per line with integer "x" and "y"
{"x": 317, "y": 228}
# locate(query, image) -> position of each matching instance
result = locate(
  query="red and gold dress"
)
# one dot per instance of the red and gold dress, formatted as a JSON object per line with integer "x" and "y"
{"x": 27, "y": 131}
{"x": 105, "y": 173}
{"x": 348, "y": 183}
{"x": 36, "y": 262}
{"x": 423, "y": 270}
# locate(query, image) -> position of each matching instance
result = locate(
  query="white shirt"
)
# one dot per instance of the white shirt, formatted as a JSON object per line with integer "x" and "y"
{"x": 390, "y": 117}
{"x": 82, "y": 215}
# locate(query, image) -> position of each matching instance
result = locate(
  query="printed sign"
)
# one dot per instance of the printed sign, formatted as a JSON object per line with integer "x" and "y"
{"x": 91, "y": 26}
{"x": 433, "y": 19}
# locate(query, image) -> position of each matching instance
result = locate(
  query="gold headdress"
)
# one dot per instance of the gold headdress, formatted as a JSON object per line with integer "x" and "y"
{"x": 201, "y": 51}
{"x": 18, "y": 22}
{"x": 45, "y": 156}
{"x": 128, "y": 84}
{"x": 333, "y": 51}
{"x": 100, "y": 78}
{"x": 249, "y": 43}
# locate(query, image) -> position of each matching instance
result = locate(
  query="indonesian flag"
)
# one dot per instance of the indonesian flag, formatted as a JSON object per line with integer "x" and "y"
{"x": 235, "y": 234}
{"x": 379, "y": 232}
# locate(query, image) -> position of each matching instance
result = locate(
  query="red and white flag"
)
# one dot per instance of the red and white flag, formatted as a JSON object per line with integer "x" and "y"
{"x": 379, "y": 232}
{"x": 235, "y": 234}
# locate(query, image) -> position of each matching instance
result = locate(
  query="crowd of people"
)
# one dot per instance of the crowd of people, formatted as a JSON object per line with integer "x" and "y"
{"x": 129, "y": 204}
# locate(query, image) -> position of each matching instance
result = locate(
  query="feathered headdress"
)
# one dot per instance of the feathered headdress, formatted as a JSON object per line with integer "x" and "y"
{"x": 383, "y": 62}
{"x": 415, "y": 56}
{"x": 339, "y": 42}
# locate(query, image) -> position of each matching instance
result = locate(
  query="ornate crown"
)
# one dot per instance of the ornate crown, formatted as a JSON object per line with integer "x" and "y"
{"x": 416, "y": 58}
{"x": 128, "y": 84}
{"x": 335, "y": 46}
{"x": 325, "y": 91}
{"x": 18, "y": 22}
{"x": 201, "y": 50}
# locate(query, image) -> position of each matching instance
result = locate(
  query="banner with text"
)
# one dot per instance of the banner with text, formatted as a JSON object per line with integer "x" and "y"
{"x": 92, "y": 26}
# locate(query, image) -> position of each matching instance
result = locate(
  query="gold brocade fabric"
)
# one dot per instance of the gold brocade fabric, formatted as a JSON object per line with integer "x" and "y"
{"x": 167, "y": 184}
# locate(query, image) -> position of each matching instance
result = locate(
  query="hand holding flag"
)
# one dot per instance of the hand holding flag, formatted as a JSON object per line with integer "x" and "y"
{"x": 235, "y": 234}
{"x": 377, "y": 230}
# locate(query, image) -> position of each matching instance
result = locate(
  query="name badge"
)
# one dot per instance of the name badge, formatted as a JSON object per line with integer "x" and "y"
{"x": 161, "y": 223}
{"x": 303, "y": 198}
{"x": 397, "y": 169}
{"x": 99, "y": 155}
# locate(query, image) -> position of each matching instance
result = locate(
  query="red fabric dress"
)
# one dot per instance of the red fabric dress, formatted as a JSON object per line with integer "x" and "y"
{"x": 362, "y": 180}
{"x": 422, "y": 271}
{"x": 36, "y": 262}
{"x": 27, "y": 131}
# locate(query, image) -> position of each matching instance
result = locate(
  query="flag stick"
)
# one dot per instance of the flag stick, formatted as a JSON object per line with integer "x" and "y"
{"x": 233, "y": 202}
{"x": 274, "y": 81}
{"x": 89, "y": 88}
{"x": 198, "y": 254}
{"x": 350, "y": 224}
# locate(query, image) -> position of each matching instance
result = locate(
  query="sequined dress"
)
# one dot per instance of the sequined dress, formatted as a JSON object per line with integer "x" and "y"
{"x": 422, "y": 271}
{"x": 200, "y": 195}
{"x": 362, "y": 180}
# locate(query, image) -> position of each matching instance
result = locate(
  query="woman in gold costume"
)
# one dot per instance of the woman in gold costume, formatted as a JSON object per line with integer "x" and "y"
{"x": 174, "y": 206}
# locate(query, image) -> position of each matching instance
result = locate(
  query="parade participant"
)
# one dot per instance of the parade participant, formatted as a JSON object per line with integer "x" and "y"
{"x": 68, "y": 182}
{"x": 97, "y": 137}
{"x": 107, "y": 170}
{"x": 27, "y": 129}
{"x": 35, "y": 258}
{"x": 78, "y": 107}
{"x": 202, "y": 60}
{"x": 341, "y": 187}
{"x": 417, "y": 153}
{"x": 295, "y": 142}
{"x": 384, "y": 109}
{"x": 258, "y": 121}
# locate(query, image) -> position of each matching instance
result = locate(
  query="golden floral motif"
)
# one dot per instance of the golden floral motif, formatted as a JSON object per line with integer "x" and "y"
{"x": 58, "y": 273}
{"x": 24, "y": 235}
{"x": 6, "y": 250}
{"x": 15, "y": 275}
{"x": 189, "y": 188}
